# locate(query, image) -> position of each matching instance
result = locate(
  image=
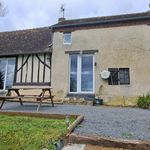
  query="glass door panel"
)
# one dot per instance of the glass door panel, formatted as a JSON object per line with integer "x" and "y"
{"x": 7, "y": 70}
{"x": 87, "y": 73}
{"x": 2, "y": 72}
{"x": 10, "y": 73}
{"x": 73, "y": 73}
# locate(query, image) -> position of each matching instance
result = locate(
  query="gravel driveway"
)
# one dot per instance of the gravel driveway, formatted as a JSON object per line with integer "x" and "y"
{"x": 126, "y": 123}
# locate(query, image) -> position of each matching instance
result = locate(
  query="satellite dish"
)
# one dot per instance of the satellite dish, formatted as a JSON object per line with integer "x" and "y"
{"x": 105, "y": 74}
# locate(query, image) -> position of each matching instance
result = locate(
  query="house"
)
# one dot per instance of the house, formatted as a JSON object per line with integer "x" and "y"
{"x": 25, "y": 58}
{"x": 83, "y": 48}
{"x": 73, "y": 56}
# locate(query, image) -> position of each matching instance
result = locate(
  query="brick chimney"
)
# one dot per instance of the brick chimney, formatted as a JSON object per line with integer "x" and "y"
{"x": 61, "y": 19}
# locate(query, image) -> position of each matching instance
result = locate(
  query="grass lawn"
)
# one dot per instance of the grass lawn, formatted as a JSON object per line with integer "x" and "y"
{"x": 28, "y": 133}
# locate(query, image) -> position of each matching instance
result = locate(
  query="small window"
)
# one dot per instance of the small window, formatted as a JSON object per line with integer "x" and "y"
{"x": 124, "y": 76}
{"x": 67, "y": 38}
{"x": 119, "y": 76}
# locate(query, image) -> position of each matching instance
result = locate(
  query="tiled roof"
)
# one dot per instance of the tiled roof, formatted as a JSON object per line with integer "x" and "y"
{"x": 84, "y": 22}
{"x": 25, "y": 41}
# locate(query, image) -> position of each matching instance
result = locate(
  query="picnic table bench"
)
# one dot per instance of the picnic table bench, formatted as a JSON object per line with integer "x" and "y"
{"x": 39, "y": 98}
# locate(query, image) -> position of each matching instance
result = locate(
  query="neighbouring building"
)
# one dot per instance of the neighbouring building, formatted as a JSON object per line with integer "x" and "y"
{"x": 83, "y": 48}
{"x": 25, "y": 58}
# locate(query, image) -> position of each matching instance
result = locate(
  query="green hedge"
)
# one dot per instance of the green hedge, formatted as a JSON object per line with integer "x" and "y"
{"x": 144, "y": 101}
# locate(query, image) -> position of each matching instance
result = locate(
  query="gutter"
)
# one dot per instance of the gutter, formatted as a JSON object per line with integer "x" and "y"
{"x": 100, "y": 22}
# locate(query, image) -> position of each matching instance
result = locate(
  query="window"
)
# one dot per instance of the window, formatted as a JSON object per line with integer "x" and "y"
{"x": 7, "y": 69}
{"x": 124, "y": 75}
{"x": 67, "y": 38}
{"x": 81, "y": 73}
{"x": 119, "y": 76}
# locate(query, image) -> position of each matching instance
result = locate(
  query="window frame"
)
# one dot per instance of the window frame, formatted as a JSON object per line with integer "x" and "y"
{"x": 118, "y": 82}
{"x": 65, "y": 34}
{"x": 125, "y": 83}
{"x": 79, "y": 64}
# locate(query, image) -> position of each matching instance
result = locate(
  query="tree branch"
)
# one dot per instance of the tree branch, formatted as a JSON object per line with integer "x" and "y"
{"x": 3, "y": 9}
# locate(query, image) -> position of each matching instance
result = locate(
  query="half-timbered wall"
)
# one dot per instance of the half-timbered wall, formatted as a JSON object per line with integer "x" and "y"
{"x": 33, "y": 69}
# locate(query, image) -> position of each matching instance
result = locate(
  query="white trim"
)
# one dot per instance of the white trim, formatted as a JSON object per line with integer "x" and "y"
{"x": 79, "y": 73}
{"x": 93, "y": 73}
{"x": 69, "y": 73}
{"x": 6, "y": 70}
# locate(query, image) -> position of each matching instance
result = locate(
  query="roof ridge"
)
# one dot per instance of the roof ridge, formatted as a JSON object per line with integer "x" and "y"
{"x": 105, "y": 16}
{"x": 104, "y": 20}
{"x": 23, "y": 30}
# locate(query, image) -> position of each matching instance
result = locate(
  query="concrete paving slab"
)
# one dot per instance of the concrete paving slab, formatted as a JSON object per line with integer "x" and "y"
{"x": 74, "y": 147}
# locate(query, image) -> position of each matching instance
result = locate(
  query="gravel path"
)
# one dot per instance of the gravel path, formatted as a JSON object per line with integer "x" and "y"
{"x": 125, "y": 123}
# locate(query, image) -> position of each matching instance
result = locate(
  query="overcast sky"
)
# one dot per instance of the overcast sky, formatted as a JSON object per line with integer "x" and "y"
{"x": 25, "y": 14}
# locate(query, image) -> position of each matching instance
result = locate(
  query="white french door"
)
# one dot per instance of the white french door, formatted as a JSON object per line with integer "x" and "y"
{"x": 81, "y": 73}
{"x": 7, "y": 69}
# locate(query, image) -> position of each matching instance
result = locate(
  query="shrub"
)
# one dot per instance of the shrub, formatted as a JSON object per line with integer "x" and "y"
{"x": 144, "y": 101}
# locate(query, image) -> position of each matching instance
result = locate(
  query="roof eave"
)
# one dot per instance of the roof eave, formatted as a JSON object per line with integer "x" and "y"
{"x": 25, "y": 53}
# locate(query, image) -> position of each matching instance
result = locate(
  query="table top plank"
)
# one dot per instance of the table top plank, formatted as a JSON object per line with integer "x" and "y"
{"x": 29, "y": 87}
{"x": 13, "y": 97}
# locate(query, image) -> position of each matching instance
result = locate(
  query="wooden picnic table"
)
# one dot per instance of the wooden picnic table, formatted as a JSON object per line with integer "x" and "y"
{"x": 39, "y": 98}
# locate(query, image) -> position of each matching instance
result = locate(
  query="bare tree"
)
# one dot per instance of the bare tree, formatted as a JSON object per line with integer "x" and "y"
{"x": 3, "y": 9}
